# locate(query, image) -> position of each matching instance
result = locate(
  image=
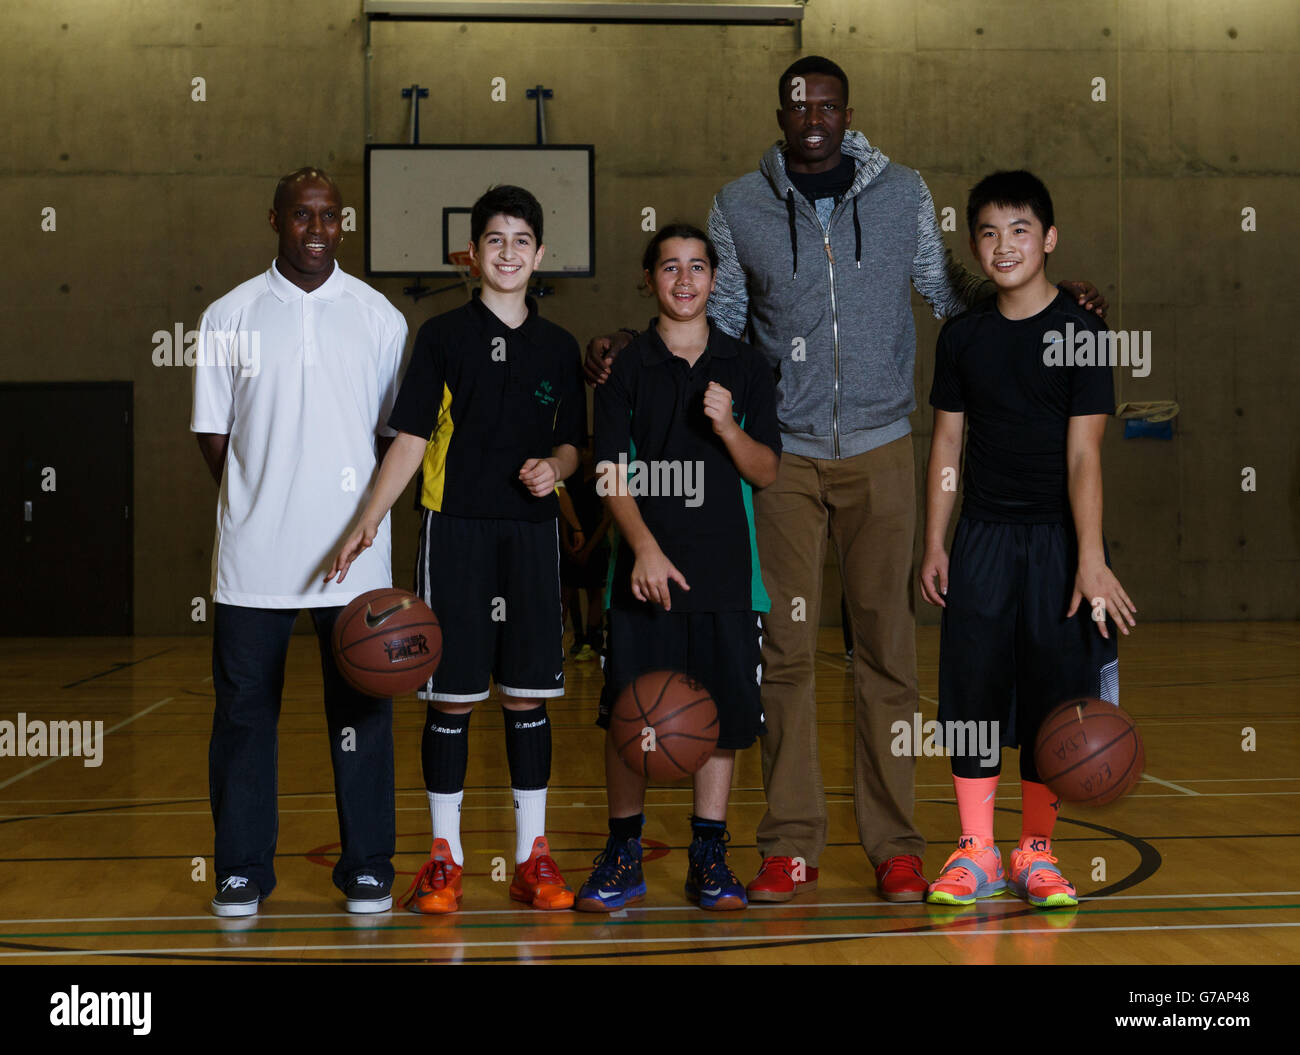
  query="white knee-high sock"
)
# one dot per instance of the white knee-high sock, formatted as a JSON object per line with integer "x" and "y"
{"x": 530, "y": 820}
{"x": 444, "y": 812}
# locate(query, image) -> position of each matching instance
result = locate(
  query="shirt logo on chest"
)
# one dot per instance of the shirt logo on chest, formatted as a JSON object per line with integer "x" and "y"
{"x": 545, "y": 394}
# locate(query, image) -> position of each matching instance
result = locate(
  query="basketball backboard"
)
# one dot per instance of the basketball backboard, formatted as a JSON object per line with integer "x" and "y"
{"x": 419, "y": 197}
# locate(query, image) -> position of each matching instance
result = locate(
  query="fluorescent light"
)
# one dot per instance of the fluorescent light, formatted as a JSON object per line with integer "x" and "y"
{"x": 577, "y": 11}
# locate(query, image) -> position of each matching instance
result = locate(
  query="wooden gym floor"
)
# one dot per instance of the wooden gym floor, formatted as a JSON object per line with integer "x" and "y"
{"x": 96, "y": 864}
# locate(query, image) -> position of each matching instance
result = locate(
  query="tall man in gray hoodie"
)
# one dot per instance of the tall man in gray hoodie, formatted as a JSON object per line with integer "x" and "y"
{"x": 816, "y": 251}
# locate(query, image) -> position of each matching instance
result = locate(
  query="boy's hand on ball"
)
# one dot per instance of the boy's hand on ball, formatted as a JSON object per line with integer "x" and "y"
{"x": 538, "y": 475}
{"x": 650, "y": 577}
{"x": 1097, "y": 587}
{"x": 717, "y": 408}
{"x": 358, "y": 542}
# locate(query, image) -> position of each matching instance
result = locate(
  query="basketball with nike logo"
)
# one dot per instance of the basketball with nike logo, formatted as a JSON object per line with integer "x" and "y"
{"x": 387, "y": 642}
{"x": 1090, "y": 752}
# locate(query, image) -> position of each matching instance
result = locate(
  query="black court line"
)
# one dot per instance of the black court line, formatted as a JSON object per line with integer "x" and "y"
{"x": 1219, "y": 681}
{"x": 98, "y": 809}
{"x": 115, "y": 668}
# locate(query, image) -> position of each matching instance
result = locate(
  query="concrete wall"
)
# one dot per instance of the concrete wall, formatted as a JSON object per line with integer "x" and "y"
{"x": 161, "y": 205}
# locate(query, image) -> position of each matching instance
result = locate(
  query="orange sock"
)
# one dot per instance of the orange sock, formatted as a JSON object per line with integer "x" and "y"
{"x": 1039, "y": 805}
{"x": 976, "y": 797}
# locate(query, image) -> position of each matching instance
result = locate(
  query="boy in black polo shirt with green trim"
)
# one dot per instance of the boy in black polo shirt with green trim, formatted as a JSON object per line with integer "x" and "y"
{"x": 492, "y": 409}
{"x": 688, "y": 404}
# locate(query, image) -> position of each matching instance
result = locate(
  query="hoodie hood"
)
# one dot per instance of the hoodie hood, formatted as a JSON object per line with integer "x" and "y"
{"x": 868, "y": 164}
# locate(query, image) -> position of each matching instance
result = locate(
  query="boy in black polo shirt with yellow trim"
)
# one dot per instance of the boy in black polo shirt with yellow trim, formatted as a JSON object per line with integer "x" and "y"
{"x": 493, "y": 410}
{"x": 686, "y": 590}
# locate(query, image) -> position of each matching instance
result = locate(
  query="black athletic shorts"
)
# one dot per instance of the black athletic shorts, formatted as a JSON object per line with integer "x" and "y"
{"x": 495, "y": 587}
{"x": 721, "y": 650}
{"x": 1007, "y": 653}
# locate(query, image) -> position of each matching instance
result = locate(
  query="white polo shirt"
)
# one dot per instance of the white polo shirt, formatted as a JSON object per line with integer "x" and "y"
{"x": 302, "y": 383}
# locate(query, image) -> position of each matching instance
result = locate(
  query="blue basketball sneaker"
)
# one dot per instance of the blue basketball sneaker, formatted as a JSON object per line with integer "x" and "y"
{"x": 616, "y": 879}
{"x": 709, "y": 882}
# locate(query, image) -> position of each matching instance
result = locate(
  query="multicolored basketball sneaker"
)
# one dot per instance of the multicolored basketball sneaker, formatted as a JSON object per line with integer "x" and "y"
{"x": 616, "y": 880}
{"x": 973, "y": 871}
{"x": 436, "y": 888}
{"x": 709, "y": 882}
{"x": 1035, "y": 877}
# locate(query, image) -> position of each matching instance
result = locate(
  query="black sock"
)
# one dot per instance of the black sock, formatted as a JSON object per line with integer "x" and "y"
{"x": 626, "y": 827}
{"x": 528, "y": 747}
{"x": 444, "y": 751}
{"x": 703, "y": 828}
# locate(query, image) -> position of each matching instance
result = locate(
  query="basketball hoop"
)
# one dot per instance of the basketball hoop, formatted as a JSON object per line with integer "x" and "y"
{"x": 464, "y": 265}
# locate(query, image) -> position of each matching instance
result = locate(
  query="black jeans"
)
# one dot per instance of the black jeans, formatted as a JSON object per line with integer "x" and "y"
{"x": 249, "y": 647}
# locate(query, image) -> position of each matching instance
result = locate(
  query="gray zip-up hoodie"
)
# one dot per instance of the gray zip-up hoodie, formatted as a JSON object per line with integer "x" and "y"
{"x": 829, "y": 306}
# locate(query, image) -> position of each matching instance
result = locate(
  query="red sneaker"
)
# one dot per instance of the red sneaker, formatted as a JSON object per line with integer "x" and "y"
{"x": 900, "y": 879}
{"x": 436, "y": 889}
{"x": 780, "y": 878}
{"x": 538, "y": 881}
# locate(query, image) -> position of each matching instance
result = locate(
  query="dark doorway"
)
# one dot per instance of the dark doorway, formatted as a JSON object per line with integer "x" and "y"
{"x": 66, "y": 525}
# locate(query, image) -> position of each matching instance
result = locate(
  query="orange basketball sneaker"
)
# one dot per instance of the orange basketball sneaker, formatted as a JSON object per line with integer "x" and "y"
{"x": 436, "y": 889}
{"x": 538, "y": 881}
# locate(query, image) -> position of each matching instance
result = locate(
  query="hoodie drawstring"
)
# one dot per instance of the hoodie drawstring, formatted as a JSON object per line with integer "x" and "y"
{"x": 857, "y": 234}
{"x": 794, "y": 238}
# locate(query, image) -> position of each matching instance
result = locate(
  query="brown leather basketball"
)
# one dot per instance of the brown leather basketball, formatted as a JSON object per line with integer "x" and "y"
{"x": 1090, "y": 752}
{"x": 665, "y": 725}
{"x": 387, "y": 642}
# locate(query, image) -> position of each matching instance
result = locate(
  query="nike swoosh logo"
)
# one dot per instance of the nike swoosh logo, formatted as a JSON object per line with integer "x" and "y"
{"x": 373, "y": 621}
{"x": 604, "y": 896}
{"x": 714, "y": 892}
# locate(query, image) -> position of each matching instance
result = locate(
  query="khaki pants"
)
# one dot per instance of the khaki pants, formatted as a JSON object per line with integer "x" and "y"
{"x": 869, "y": 503}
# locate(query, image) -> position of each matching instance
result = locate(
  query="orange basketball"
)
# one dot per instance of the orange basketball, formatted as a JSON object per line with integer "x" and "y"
{"x": 387, "y": 642}
{"x": 1089, "y": 751}
{"x": 665, "y": 725}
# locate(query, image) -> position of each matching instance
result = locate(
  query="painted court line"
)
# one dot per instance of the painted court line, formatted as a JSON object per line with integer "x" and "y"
{"x": 774, "y": 909}
{"x": 1182, "y": 794}
{"x": 801, "y": 936}
{"x": 469, "y": 792}
{"x": 1167, "y": 784}
{"x": 56, "y": 758}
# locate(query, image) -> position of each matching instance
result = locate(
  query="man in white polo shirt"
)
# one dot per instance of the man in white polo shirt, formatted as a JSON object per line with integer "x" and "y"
{"x": 298, "y": 371}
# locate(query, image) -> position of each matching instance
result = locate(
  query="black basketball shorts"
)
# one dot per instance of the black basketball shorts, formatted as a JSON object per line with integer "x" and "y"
{"x": 1007, "y": 652}
{"x": 495, "y": 587}
{"x": 721, "y": 650}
